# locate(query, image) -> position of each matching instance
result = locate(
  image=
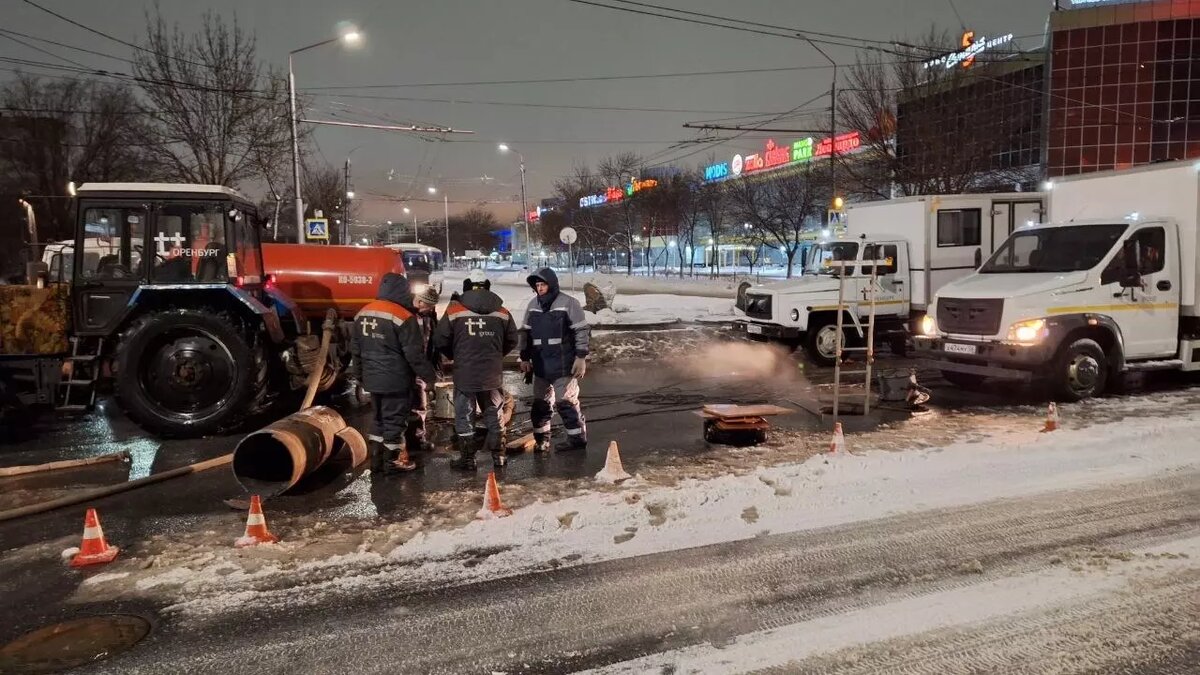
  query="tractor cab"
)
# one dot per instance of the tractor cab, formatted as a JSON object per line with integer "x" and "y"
{"x": 153, "y": 236}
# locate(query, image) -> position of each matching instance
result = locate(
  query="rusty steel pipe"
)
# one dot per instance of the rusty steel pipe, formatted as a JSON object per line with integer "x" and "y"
{"x": 273, "y": 459}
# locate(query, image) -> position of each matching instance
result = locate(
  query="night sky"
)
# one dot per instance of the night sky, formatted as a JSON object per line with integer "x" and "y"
{"x": 447, "y": 41}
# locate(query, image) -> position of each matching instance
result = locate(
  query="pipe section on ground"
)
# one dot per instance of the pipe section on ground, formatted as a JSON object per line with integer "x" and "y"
{"x": 273, "y": 459}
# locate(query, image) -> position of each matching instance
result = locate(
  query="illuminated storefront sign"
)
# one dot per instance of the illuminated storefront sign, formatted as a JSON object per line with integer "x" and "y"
{"x": 775, "y": 156}
{"x": 802, "y": 150}
{"x": 839, "y": 144}
{"x": 716, "y": 171}
{"x": 970, "y": 49}
{"x": 616, "y": 194}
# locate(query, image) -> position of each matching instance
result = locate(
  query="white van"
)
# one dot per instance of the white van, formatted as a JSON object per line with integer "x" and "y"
{"x": 930, "y": 241}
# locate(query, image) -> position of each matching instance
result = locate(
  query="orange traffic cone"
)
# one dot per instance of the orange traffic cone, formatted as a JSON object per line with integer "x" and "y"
{"x": 1051, "y": 419}
{"x": 492, "y": 508}
{"x": 838, "y": 444}
{"x": 612, "y": 472}
{"x": 94, "y": 550}
{"x": 256, "y": 527}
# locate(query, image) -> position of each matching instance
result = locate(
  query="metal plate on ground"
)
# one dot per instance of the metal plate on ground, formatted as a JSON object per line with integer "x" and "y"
{"x": 72, "y": 643}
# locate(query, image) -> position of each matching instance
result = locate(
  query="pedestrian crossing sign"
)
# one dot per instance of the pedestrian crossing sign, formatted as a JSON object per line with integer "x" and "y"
{"x": 837, "y": 218}
{"x": 316, "y": 228}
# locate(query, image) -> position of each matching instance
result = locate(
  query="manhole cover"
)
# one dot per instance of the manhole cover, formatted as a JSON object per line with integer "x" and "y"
{"x": 72, "y": 643}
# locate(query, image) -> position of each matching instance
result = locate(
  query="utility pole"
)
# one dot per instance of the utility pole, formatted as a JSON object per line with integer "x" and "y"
{"x": 344, "y": 237}
{"x": 446, "y": 206}
{"x": 832, "y": 118}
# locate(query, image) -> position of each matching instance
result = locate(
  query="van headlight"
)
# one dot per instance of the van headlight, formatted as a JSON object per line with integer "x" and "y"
{"x": 1028, "y": 332}
{"x": 795, "y": 315}
{"x": 928, "y": 326}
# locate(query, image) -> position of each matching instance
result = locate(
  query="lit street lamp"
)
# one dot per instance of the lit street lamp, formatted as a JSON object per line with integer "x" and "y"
{"x": 349, "y": 37}
{"x": 524, "y": 209}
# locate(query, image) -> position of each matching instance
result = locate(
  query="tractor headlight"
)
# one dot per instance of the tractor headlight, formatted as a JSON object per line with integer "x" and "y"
{"x": 928, "y": 326}
{"x": 795, "y": 315}
{"x": 1028, "y": 332}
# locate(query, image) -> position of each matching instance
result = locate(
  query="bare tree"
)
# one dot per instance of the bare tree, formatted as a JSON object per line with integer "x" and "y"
{"x": 781, "y": 207}
{"x": 691, "y": 214}
{"x": 661, "y": 209}
{"x": 715, "y": 204}
{"x": 615, "y": 171}
{"x": 59, "y": 131}
{"x": 905, "y": 113}
{"x": 475, "y": 229}
{"x": 220, "y": 116}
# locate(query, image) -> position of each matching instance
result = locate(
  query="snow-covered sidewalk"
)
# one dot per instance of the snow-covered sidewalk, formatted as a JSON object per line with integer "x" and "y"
{"x": 629, "y": 310}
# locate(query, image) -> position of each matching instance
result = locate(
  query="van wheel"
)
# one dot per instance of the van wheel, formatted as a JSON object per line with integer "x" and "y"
{"x": 963, "y": 380}
{"x": 820, "y": 343}
{"x": 1080, "y": 371}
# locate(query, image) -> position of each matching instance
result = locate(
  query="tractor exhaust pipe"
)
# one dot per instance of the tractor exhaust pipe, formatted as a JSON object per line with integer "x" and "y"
{"x": 271, "y": 460}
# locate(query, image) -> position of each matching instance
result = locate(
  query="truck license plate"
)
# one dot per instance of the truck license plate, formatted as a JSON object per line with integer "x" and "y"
{"x": 751, "y": 328}
{"x": 960, "y": 349}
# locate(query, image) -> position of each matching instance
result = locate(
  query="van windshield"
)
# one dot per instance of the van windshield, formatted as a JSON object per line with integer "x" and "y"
{"x": 1054, "y": 249}
{"x": 825, "y": 252}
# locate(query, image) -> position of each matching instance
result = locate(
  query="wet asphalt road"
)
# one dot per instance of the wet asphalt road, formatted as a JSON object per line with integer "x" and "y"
{"x": 582, "y": 617}
{"x": 634, "y": 397}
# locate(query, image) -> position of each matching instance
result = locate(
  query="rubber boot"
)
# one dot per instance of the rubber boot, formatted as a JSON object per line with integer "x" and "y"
{"x": 495, "y": 445}
{"x": 465, "y": 446}
{"x": 571, "y": 444}
{"x": 398, "y": 460}
{"x": 379, "y": 457}
{"x": 541, "y": 443}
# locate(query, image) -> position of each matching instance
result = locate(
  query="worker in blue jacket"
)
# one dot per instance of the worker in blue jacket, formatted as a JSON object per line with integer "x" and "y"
{"x": 553, "y": 343}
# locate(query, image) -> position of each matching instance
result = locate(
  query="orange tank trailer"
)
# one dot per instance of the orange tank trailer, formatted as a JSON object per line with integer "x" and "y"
{"x": 321, "y": 277}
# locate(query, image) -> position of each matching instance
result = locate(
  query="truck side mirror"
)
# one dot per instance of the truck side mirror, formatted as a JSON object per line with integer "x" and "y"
{"x": 978, "y": 258}
{"x": 1131, "y": 276}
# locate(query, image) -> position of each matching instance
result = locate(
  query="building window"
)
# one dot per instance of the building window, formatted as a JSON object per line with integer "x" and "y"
{"x": 959, "y": 227}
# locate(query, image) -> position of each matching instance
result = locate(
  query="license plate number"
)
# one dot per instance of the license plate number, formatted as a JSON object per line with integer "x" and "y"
{"x": 751, "y": 328}
{"x": 960, "y": 349}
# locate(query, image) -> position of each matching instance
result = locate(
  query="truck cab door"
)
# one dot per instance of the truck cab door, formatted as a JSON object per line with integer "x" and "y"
{"x": 112, "y": 236}
{"x": 892, "y": 294}
{"x": 1148, "y": 314}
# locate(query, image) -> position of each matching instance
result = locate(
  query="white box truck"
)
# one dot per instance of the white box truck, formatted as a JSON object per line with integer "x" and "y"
{"x": 931, "y": 241}
{"x": 1108, "y": 285}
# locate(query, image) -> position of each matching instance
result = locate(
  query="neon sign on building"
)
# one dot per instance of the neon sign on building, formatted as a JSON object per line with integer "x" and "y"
{"x": 775, "y": 156}
{"x": 970, "y": 49}
{"x": 616, "y": 194}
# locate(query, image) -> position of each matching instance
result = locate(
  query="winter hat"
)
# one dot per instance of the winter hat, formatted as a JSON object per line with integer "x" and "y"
{"x": 430, "y": 296}
{"x": 476, "y": 279}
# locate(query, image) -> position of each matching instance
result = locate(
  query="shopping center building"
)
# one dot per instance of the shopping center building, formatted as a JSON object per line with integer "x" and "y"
{"x": 1124, "y": 83}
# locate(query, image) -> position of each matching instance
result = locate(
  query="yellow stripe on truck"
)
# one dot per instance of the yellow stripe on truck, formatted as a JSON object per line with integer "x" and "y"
{"x": 1085, "y": 309}
{"x": 864, "y": 302}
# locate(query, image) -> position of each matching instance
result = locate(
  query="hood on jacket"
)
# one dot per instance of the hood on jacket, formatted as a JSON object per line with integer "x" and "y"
{"x": 481, "y": 301}
{"x": 545, "y": 274}
{"x": 394, "y": 288}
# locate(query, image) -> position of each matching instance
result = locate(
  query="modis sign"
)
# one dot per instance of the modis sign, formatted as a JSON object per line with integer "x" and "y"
{"x": 971, "y": 48}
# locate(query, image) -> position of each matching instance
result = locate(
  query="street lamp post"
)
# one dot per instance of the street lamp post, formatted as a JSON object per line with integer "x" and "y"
{"x": 524, "y": 209}
{"x": 349, "y": 37}
{"x": 446, "y": 206}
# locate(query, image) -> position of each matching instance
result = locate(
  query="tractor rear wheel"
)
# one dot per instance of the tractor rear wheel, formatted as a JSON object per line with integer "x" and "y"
{"x": 190, "y": 372}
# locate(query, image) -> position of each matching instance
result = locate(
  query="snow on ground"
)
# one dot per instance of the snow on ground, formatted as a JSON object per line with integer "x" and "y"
{"x": 663, "y": 509}
{"x": 643, "y": 308}
{"x": 699, "y": 285}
